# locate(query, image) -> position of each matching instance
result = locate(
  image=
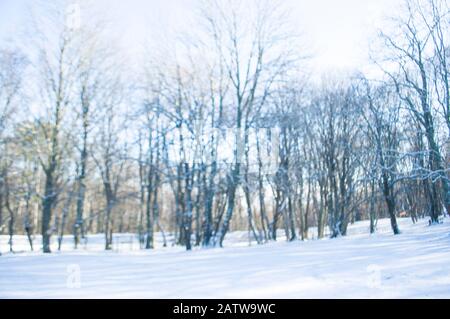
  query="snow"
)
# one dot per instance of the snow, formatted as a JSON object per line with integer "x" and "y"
{"x": 414, "y": 264}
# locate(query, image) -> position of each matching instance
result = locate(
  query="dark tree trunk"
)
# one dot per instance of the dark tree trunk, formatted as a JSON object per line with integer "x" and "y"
{"x": 209, "y": 199}
{"x": 47, "y": 209}
{"x": 79, "y": 222}
{"x": 233, "y": 181}
{"x": 187, "y": 224}
{"x": 388, "y": 193}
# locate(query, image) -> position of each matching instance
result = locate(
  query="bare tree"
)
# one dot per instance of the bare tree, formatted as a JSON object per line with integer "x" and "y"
{"x": 109, "y": 153}
{"x": 413, "y": 83}
{"x": 382, "y": 121}
{"x": 252, "y": 62}
{"x": 12, "y": 65}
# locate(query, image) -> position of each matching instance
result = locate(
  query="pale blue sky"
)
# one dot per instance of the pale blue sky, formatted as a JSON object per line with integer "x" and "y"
{"x": 337, "y": 31}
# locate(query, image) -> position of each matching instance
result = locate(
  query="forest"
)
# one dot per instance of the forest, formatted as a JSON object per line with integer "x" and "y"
{"x": 229, "y": 132}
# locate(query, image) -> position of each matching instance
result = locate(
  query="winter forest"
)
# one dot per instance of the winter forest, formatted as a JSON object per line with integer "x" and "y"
{"x": 220, "y": 134}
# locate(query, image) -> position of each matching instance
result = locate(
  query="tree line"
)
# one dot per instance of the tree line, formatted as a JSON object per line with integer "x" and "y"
{"x": 229, "y": 134}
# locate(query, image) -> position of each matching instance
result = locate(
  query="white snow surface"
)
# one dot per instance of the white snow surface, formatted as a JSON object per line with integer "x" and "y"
{"x": 415, "y": 264}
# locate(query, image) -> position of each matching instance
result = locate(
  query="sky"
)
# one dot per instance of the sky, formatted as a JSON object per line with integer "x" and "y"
{"x": 337, "y": 32}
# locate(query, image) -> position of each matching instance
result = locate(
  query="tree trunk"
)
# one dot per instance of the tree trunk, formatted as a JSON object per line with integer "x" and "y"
{"x": 47, "y": 207}
{"x": 232, "y": 187}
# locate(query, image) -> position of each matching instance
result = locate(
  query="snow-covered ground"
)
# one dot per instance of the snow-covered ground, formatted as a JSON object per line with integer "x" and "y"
{"x": 415, "y": 264}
